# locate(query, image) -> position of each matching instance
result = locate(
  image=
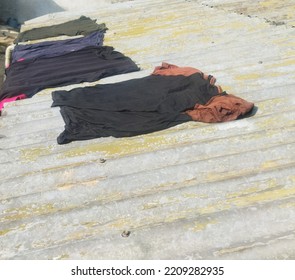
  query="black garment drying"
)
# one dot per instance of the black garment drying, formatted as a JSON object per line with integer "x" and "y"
{"x": 86, "y": 65}
{"x": 131, "y": 107}
{"x": 81, "y": 26}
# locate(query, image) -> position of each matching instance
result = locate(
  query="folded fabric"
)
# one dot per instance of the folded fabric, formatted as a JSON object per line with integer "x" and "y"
{"x": 86, "y": 65}
{"x": 56, "y": 48}
{"x": 138, "y": 106}
{"x": 81, "y": 26}
{"x": 221, "y": 108}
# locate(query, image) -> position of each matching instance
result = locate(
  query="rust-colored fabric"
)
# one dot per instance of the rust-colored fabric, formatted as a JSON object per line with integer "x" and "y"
{"x": 167, "y": 69}
{"x": 220, "y": 108}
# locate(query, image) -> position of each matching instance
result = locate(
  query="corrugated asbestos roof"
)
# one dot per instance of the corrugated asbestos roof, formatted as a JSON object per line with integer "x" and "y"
{"x": 195, "y": 191}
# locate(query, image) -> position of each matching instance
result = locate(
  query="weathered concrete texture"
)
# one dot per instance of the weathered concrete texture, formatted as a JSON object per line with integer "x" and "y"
{"x": 70, "y": 5}
{"x": 274, "y": 12}
{"x": 195, "y": 191}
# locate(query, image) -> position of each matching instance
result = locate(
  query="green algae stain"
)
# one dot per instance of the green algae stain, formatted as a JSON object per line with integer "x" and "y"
{"x": 124, "y": 147}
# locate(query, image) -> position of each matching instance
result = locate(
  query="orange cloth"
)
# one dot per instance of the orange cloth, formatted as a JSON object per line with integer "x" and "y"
{"x": 220, "y": 108}
{"x": 167, "y": 69}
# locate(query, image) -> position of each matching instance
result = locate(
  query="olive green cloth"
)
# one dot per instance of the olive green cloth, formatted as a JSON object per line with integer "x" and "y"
{"x": 81, "y": 26}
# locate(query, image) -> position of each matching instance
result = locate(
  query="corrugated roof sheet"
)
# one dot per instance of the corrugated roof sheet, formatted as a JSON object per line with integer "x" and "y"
{"x": 195, "y": 191}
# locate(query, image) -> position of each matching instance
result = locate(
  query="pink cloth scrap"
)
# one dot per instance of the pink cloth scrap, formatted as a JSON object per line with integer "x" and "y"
{"x": 10, "y": 99}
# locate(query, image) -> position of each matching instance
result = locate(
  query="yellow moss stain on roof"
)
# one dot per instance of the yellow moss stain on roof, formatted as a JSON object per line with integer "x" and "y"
{"x": 250, "y": 76}
{"x": 270, "y": 3}
{"x": 262, "y": 197}
{"x": 199, "y": 226}
{"x": 287, "y": 62}
{"x": 147, "y": 25}
{"x": 4, "y": 231}
{"x": 123, "y": 146}
{"x": 109, "y": 197}
{"x": 269, "y": 164}
{"x": 270, "y": 191}
{"x": 120, "y": 223}
{"x": 270, "y": 104}
{"x": 288, "y": 205}
{"x": 31, "y": 154}
{"x": 284, "y": 42}
{"x": 63, "y": 257}
{"x": 244, "y": 192}
{"x": 155, "y": 204}
{"x": 28, "y": 211}
{"x": 268, "y": 122}
{"x": 8, "y": 230}
{"x": 194, "y": 195}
